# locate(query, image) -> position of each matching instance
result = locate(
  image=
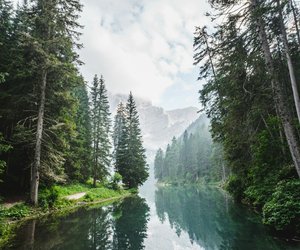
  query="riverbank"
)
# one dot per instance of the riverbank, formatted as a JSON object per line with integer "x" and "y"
{"x": 288, "y": 233}
{"x": 56, "y": 200}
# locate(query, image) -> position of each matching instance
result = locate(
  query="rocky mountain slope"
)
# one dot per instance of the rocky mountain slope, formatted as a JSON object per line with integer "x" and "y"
{"x": 158, "y": 125}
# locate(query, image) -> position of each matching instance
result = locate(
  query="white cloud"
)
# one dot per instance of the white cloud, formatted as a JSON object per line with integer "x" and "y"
{"x": 140, "y": 45}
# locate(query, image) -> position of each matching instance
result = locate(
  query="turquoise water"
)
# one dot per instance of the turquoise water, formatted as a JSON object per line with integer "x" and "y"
{"x": 159, "y": 219}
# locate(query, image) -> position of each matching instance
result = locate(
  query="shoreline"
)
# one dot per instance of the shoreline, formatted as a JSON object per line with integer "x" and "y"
{"x": 38, "y": 213}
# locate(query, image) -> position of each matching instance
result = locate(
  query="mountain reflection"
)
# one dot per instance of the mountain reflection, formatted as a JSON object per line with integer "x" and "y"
{"x": 210, "y": 218}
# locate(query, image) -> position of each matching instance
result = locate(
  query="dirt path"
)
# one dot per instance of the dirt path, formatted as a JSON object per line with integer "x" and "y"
{"x": 75, "y": 196}
{"x": 8, "y": 203}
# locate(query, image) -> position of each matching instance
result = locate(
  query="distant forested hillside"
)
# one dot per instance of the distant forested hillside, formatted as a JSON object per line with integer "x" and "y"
{"x": 193, "y": 157}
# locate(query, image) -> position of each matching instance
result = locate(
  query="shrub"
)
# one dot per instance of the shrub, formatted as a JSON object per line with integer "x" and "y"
{"x": 234, "y": 186}
{"x": 282, "y": 211}
{"x": 48, "y": 197}
{"x": 16, "y": 212}
{"x": 88, "y": 198}
{"x": 116, "y": 181}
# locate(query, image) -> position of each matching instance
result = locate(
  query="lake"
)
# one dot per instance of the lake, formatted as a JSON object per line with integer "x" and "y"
{"x": 160, "y": 218}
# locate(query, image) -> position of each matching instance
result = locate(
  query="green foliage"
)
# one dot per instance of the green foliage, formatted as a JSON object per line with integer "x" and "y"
{"x": 116, "y": 181}
{"x": 234, "y": 185}
{"x": 101, "y": 123}
{"x": 193, "y": 158}
{"x": 282, "y": 211}
{"x": 129, "y": 153}
{"x": 247, "y": 118}
{"x": 4, "y": 147}
{"x": 100, "y": 193}
{"x": 27, "y": 48}
{"x": 78, "y": 160}
{"x": 48, "y": 197}
{"x": 6, "y": 232}
{"x": 16, "y": 212}
{"x": 65, "y": 190}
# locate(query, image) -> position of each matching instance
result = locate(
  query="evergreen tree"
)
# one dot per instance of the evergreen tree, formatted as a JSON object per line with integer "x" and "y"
{"x": 119, "y": 125}
{"x": 254, "y": 113}
{"x": 100, "y": 129}
{"x": 78, "y": 160}
{"x": 120, "y": 137}
{"x": 130, "y": 153}
{"x": 158, "y": 164}
{"x": 190, "y": 158}
{"x": 43, "y": 37}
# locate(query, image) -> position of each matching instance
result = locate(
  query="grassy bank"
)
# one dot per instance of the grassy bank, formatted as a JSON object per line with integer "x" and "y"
{"x": 54, "y": 200}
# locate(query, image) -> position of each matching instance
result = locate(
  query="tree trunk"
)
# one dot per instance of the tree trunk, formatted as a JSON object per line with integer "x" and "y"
{"x": 223, "y": 173}
{"x": 296, "y": 22}
{"x": 31, "y": 234}
{"x": 35, "y": 176}
{"x": 278, "y": 96}
{"x": 95, "y": 165}
{"x": 289, "y": 60}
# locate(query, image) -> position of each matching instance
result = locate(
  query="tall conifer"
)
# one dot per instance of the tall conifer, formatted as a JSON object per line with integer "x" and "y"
{"x": 129, "y": 151}
{"x": 100, "y": 129}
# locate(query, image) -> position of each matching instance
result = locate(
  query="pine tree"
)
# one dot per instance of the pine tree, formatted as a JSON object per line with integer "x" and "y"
{"x": 158, "y": 164}
{"x": 53, "y": 34}
{"x": 119, "y": 124}
{"x": 130, "y": 153}
{"x": 120, "y": 137}
{"x": 258, "y": 131}
{"x": 100, "y": 130}
{"x": 78, "y": 160}
{"x": 43, "y": 37}
{"x": 6, "y": 21}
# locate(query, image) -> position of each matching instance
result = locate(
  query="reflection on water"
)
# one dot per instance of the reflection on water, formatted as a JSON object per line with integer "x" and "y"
{"x": 169, "y": 218}
{"x": 120, "y": 226}
{"x": 211, "y": 219}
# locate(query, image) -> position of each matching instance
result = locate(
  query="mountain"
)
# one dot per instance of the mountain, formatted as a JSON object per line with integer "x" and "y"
{"x": 202, "y": 123}
{"x": 158, "y": 125}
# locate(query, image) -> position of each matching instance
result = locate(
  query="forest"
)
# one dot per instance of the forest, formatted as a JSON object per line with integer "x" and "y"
{"x": 55, "y": 128}
{"x": 250, "y": 62}
{"x": 59, "y": 136}
{"x": 191, "y": 158}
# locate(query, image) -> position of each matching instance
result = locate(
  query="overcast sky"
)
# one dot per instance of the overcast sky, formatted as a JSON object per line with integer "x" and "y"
{"x": 145, "y": 46}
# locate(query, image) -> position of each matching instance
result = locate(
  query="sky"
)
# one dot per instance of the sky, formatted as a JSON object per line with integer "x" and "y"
{"x": 144, "y": 46}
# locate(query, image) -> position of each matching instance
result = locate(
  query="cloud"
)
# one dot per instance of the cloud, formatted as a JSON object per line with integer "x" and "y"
{"x": 140, "y": 45}
{"x": 144, "y": 46}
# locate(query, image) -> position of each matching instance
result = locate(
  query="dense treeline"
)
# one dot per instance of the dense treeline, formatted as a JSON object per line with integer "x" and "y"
{"x": 251, "y": 64}
{"x": 50, "y": 130}
{"x": 191, "y": 158}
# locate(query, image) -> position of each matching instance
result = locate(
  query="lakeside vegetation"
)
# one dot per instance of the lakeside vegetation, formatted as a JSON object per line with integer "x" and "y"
{"x": 250, "y": 63}
{"x": 55, "y": 200}
{"x": 54, "y": 130}
{"x": 191, "y": 158}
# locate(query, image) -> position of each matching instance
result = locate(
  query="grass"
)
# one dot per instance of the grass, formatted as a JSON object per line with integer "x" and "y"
{"x": 102, "y": 193}
{"x": 53, "y": 200}
{"x": 72, "y": 189}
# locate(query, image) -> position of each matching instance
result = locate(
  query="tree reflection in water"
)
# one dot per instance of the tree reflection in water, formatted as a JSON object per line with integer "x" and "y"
{"x": 211, "y": 219}
{"x": 119, "y": 226}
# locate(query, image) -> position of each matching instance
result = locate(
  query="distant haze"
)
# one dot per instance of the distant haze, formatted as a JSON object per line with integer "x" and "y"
{"x": 158, "y": 125}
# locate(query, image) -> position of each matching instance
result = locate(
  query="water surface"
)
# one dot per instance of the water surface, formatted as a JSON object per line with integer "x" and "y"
{"x": 159, "y": 219}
